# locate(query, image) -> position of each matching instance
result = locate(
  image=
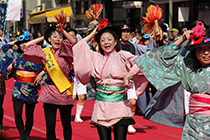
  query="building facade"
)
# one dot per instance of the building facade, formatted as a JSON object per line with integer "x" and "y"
{"x": 118, "y": 12}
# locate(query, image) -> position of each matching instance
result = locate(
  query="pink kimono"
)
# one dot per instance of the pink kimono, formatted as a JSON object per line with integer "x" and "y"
{"x": 107, "y": 70}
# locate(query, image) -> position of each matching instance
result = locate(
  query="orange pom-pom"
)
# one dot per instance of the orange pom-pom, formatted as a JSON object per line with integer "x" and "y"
{"x": 94, "y": 11}
{"x": 153, "y": 17}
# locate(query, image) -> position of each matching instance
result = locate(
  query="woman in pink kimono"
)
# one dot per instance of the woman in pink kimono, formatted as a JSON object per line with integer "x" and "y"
{"x": 108, "y": 68}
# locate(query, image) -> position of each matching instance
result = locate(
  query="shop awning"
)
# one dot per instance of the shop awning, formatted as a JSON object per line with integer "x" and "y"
{"x": 37, "y": 17}
{"x": 48, "y": 15}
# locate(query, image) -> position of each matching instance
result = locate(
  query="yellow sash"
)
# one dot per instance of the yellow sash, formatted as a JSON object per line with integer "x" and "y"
{"x": 56, "y": 74}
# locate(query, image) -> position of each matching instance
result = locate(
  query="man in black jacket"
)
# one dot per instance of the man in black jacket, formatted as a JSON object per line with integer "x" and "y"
{"x": 125, "y": 37}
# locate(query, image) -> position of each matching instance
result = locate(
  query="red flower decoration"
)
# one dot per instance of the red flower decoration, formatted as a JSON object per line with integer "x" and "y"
{"x": 198, "y": 33}
{"x": 103, "y": 23}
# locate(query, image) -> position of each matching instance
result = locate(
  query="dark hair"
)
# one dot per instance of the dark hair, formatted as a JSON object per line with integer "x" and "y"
{"x": 18, "y": 45}
{"x": 69, "y": 29}
{"x": 139, "y": 32}
{"x": 133, "y": 30}
{"x": 118, "y": 46}
{"x": 165, "y": 36}
{"x": 163, "y": 27}
{"x": 196, "y": 63}
{"x": 73, "y": 30}
{"x": 49, "y": 32}
{"x": 143, "y": 40}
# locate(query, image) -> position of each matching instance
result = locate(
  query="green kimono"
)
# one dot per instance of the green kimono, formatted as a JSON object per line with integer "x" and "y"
{"x": 164, "y": 67}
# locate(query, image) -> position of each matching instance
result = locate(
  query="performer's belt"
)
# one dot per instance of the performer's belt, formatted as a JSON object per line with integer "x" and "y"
{"x": 110, "y": 93}
{"x": 199, "y": 103}
{"x": 25, "y": 76}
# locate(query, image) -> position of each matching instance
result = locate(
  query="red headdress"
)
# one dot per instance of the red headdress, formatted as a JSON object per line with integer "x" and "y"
{"x": 199, "y": 38}
{"x": 198, "y": 34}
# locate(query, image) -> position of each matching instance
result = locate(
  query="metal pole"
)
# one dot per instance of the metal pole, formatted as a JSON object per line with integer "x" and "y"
{"x": 14, "y": 29}
{"x": 73, "y": 16}
{"x": 170, "y": 13}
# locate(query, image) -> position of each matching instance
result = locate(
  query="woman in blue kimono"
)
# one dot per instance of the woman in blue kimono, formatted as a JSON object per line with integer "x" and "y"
{"x": 25, "y": 88}
{"x": 164, "y": 67}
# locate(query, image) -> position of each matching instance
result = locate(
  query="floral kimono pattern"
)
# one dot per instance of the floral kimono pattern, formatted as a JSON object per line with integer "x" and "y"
{"x": 25, "y": 91}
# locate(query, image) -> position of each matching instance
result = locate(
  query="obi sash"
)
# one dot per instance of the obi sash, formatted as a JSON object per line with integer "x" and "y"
{"x": 199, "y": 104}
{"x": 25, "y": 76}
{"x": 56, "y": 74}
{"x": 110, "y": 93}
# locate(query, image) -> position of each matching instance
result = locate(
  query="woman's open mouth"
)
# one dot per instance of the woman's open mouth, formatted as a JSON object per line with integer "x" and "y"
{"x": 57, "y": 44}
{"x": 107, "y": 47}
{"x": 206, "y": 58}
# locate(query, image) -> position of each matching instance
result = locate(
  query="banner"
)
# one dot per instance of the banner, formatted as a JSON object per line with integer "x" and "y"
{"x": 13, "y": 10}
{"x": 2, "y": 14}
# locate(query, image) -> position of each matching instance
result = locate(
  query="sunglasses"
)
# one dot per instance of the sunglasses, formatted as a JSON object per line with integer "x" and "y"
{"x": 146, "y": 36}
{"x": 22, "y": 37}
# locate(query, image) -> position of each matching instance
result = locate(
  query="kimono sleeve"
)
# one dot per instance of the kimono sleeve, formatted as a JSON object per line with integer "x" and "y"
{"x": 140, "y": 49}
{"x": 161, "y": 66}
{"x": 139, "y": 79}
{"x": 83, "y": 62}
{"x": 6, "y": 47}
{"x": 150, "y": 45}
{"x": 7, "y": 56}
{"x": 66, "y": 50}
{"x": 35, "y": 54}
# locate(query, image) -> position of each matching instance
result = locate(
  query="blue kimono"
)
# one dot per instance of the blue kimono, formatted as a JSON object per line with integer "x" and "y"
{"x": 24, "y": 91}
